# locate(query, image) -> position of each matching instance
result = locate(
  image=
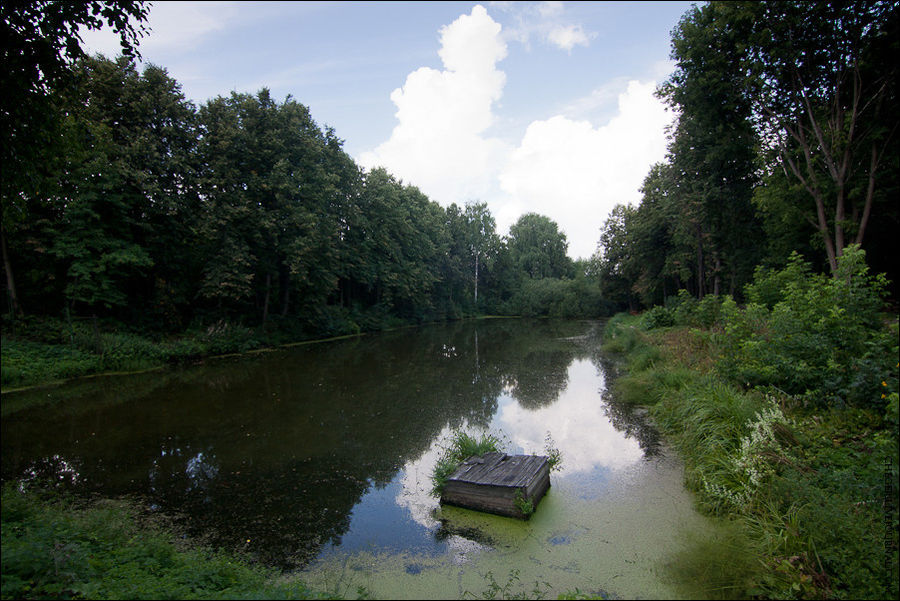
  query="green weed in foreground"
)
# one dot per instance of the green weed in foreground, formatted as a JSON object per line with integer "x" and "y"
{"x": 512, "y": 589}
{"x": 53, "y": 549}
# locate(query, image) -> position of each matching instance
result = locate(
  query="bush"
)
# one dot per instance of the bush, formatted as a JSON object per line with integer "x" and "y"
{"x": 55, "y": 549}
{"x": 688, "y": 311}
{"x": 224, "y": 337}
{"x": 823, "y": 339}
{"x": 657, "y": 317}
{"x": 553, "y": 297}
{"x": 27, "y": 362}
{"x": 684, "y": 307}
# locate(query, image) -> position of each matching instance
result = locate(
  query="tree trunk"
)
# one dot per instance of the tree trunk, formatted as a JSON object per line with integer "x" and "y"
{"x": 14, "y": 307}
{"x": 284, "y": 283}
{"x": 265, "y": 315}
{"x": 476, "y": 281}
{"x": 701, "y": 276}
{"x": 716, "y": 277}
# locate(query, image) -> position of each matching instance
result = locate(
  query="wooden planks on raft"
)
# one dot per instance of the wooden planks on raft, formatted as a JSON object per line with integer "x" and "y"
{"x": 498, "y": 483}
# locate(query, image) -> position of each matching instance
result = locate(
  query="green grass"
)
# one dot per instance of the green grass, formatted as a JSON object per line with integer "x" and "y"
{"x": 461, "y": 446}
{"x": 54, "y": 548}
{"x": 41, "y": 354}
{"x": 810, "y": 493}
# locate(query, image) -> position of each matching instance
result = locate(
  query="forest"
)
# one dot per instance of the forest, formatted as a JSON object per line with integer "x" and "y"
{"x": 759, "y": 268}
{"x": 127, "y": 209}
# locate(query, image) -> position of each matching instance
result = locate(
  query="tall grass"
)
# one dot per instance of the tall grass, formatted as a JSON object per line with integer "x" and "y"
{"x": 810, "y": 493}
{"x": 460, "y": 447}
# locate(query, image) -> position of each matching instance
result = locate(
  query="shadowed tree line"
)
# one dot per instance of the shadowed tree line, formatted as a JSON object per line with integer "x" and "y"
{"x": 124, "y": 201}
{"x": 785, "y": 140}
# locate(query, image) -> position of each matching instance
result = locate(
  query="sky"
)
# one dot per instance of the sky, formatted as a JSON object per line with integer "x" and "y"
{"x": 531, "y": 107}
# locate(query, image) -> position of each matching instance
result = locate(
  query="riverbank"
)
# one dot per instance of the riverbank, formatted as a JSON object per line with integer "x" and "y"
{"x": 811, "y": 487}
{"x": 47, "y": 351}
{"x": 55, "y": 547}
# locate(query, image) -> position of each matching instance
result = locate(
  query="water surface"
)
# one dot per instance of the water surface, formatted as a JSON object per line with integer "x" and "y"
{"x": 318, "y": 458}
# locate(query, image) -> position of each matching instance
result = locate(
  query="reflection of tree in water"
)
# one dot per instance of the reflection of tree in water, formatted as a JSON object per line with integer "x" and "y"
{"x": 281, "y": 517}
{"x": 627, "y": 418}
{"x": 278, "y": 449}
{"x": 539, "y": 378}
{"x": 536, "y": 365}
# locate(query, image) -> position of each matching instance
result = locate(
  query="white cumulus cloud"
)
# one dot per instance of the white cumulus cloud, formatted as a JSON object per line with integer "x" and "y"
{"x": 568, "y": 36}
{"x": 578, "y": 424}
{"x": 573, "y": 170}
{"x": 438, "y": 142}
{"x": 575, "y": 173}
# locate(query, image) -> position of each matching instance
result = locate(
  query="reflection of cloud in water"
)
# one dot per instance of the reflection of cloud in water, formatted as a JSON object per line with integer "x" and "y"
{"x": 415, "y": 494}
{"x": 55, "y": 470}
{"x": 577, "y": 423}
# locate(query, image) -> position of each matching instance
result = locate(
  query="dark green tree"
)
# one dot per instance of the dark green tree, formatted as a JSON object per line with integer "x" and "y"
{"x": 824, "y": 99}
{"x": 712, "y": 152}
{"x": 41, "y": 43}
{"x": 122, "y": 187}
{"x": 615, "y": 267}
{"x": 405, "y": 245}
{"x": 273, "y": 224}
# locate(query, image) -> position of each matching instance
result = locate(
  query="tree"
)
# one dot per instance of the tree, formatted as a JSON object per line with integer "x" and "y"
{"x": 824, "y": 102}
{"x": 475, "y": 238}
{"x": 712, "y": 151}
{"x": 538, "y": 248}
{"x": 271, "y": 228}
{"x": 123, "y": 184}
{"x": 616, "y": 268}
{"x": 41, "y": 43}
{"x": 404, "y": 246}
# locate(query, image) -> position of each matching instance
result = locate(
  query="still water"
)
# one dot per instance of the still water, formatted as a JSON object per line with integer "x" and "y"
{"x": 318, "y": 459}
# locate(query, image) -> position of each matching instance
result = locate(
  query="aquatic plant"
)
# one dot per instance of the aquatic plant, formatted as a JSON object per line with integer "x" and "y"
{"x": 554, "y": 456}
{"x": 509, "y": 590}
{"x": 461, "y": 446}
{"x": 526, "y": 506}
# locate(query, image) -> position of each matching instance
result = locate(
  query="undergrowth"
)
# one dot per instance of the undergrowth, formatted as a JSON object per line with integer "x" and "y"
{"x": 785, "y": 415}
{"x": 55, "y": 548}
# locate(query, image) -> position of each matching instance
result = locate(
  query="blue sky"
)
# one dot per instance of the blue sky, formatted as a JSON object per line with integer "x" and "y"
{"x": 542, "y": 107}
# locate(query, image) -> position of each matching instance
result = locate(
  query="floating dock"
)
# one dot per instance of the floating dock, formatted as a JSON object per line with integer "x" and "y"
{"x": 499, "y": 483}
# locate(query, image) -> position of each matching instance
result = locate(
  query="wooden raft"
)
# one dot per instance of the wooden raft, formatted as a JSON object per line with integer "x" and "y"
{"x": 492, "y": 482}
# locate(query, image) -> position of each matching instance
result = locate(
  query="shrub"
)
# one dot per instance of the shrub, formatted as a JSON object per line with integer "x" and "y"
{"x": 823, "y": 338}
{"x": 684, "y": 307}
{"x": 55, "y": 549}
{"x": 224, "y": 337}
{"x": 657, "y": 317}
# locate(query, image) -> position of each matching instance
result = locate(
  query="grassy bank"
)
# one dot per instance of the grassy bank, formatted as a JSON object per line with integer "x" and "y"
{"x": 54, "y": 548}
{"x": 785, "y": 413}
{"x": 45, "y": 350}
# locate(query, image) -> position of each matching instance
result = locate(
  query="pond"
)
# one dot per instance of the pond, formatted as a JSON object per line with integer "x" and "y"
{"x": 318, "y": 459}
